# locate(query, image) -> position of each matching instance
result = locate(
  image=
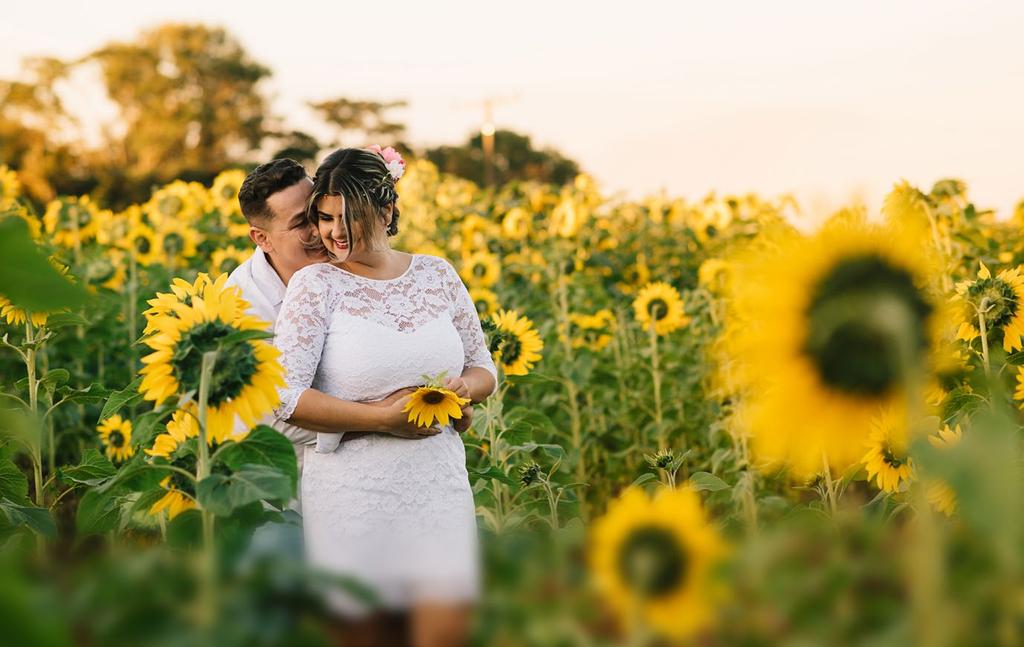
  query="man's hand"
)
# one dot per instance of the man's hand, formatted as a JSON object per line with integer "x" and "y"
{"x": 396, "y": 422}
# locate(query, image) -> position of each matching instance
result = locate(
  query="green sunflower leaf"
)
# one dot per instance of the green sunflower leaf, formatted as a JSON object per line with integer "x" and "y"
{"x": 38, "y": 520}
{"x": 119, "y": 399}
{"x": 64, "y": 319}
{"x": 98, "y": 512}
{"x": 13, "y": 482}
{"x": 703, "y": 481}
{"x": 94, "y": 468}
{"x": 222, "y": 494}
{"x": 263, "y": 446}
{"x": 27, "y": 278}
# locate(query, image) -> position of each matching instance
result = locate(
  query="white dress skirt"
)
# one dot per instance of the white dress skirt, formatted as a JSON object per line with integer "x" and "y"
{"x": 395, "y": 514}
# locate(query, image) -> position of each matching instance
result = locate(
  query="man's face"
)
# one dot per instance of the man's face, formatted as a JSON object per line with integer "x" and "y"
{"x": 283, "y": 236}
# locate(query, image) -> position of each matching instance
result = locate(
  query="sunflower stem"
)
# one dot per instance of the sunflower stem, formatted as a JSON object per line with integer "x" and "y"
{"x": 982, "y": 309}
{"x": 572, "y": 391}
{"x": 208, "y": 597}
{"x": 659, "y": 427}
{"x": 33, "y": 405}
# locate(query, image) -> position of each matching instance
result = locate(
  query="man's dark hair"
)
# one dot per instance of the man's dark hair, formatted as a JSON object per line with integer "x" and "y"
{"x": 264, "y": 181}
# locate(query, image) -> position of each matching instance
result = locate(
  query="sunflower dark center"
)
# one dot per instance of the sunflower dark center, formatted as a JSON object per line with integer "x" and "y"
{"x": 657, "y": 308}
{"x": 233, "y": 370}
{"x": 511, "y": 348}
{"x": 479, "y": 270}
{"x": 174, "y": 243}
{"x": 433, "y": 397}
{"x": 171, "y": 205}
{"x": 652, "y": 562}
{"x": 143, "y": 244}
{"x": 115, "y": 439}
{"x": 891, "y": 458}
{"x": 482, "y": 306}
{"x": 1000, "y": 302}
{"x": 228, "y": 265}
{"x": 865, "y": 319}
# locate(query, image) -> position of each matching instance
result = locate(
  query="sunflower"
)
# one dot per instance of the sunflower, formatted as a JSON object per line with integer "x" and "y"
{"x": 635, "y": 275}
{"x": 430, "y": 404}
{"x": 566, "y": 218}
{"x": 714, "y": 275}
{"x": 246, "y": 374}
{"x": 1000, "y": 303}
{"x": 653, "y": 559}
{"x": 906, "y": 205}
{"x": 177, "y": 241}
{"x": 887, "y": 461}
{"x": 17, "y": 316}
{"x": 224, "y": 191}
{"x": 116, "y": 435}
{"x": 516, "y": 224}
{"x": 825, "y": 331}
{"x": 182, "y": 292}
{"x": 106, "y": 270}
{"x": 486, "y": 302}
{"x": 940, "y": 495}
{"x": 70, "y": 222}
{"x": 516, "y": 344}
{"x": 114, "y": 228}
{"x": 481, "y": 270}
{"x": 10, "y": 186}
{"x": 178, "y": 201}
{"x": 660, "y": 306}
{"x": 592, "y": 331}
{"x": 227, "y": 259}
{"x": 180, "y": 493}
{"x": 474, "y": 232}
{"x": 144, "y": 241}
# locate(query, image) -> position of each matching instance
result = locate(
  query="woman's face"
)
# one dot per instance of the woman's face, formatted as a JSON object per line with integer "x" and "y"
{"x": 331, "y": 226}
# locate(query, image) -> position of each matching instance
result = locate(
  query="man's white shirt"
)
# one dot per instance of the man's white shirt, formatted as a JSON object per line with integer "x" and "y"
{"x": 264, "y": 290}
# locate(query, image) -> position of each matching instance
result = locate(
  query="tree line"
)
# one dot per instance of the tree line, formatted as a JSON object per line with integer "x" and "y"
{"x": 190, "y": 102}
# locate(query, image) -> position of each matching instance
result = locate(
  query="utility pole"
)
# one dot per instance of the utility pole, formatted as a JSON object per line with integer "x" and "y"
{"x": 487, "y": 130}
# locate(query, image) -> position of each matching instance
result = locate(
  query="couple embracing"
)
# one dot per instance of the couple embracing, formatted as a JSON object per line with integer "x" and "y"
{"x": 358, "y": 324}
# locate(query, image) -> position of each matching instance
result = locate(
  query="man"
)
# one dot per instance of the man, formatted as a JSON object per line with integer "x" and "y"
{"x": 273, "y": 199}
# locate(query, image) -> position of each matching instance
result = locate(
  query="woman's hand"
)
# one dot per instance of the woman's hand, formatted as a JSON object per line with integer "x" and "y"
{"x": 458, "y": 385}
{"x": 395, "y": 421}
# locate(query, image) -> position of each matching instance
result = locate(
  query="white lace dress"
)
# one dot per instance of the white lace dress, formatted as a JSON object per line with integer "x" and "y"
{"x": 396, "y": 514}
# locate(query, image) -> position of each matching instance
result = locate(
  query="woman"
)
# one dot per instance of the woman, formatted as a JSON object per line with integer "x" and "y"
{"x": 396, "y": 514}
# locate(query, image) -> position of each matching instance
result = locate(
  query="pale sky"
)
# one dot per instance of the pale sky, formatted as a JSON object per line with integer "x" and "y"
{"x": 827, "y": 99}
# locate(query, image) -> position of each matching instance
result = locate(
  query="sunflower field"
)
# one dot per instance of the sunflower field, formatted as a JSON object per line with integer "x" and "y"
{"x": 711, "y": 427}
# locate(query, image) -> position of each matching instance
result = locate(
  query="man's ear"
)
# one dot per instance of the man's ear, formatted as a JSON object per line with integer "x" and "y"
{"x": 261, "y": 239}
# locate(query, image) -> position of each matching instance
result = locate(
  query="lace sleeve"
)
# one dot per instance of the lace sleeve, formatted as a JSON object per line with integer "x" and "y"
{"x": 467, "y": 322}
{"x": 300, "y": 332}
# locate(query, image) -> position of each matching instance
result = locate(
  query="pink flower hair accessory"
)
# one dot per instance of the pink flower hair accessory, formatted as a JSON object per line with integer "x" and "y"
{"x": 392, "y": 159}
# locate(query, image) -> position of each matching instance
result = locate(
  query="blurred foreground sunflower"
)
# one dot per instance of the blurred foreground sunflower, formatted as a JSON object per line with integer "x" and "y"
{"x": 827, "y": 330}
{"x": 653, "y": 559}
